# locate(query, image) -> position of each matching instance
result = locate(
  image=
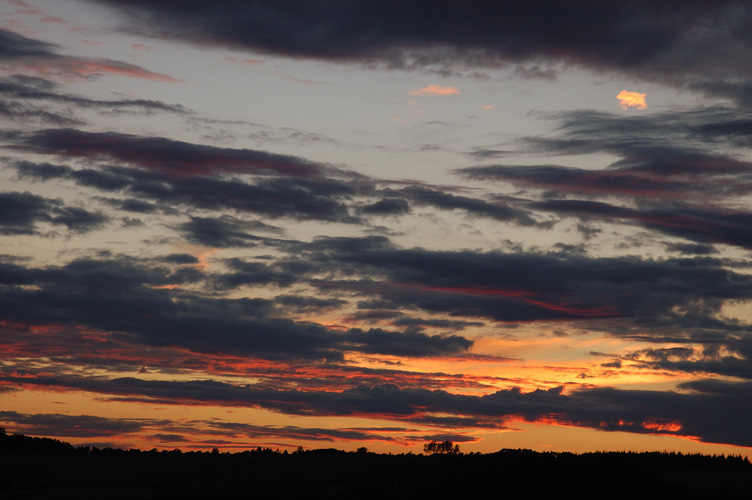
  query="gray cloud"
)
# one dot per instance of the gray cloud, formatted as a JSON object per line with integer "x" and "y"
{"x": 662, "y": 41}
{"x": 25, "y": 98}
{"x": 161, "y": 154}
{"x": 132, "y": 299}
{"x": 21, "y": 212}
{"x": 318, "y": 198}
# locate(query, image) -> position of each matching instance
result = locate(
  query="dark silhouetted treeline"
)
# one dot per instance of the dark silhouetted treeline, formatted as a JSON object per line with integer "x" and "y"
{"x": 46, "y": 468}
{"x": 21, "y": 443}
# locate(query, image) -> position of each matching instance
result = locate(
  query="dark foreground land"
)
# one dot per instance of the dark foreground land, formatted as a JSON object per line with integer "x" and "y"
{"x": 32, "y": 468}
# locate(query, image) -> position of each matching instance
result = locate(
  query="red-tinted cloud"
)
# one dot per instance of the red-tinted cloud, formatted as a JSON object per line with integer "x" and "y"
{"x": 165, "y": 155}
{"x": 569, "y": 310}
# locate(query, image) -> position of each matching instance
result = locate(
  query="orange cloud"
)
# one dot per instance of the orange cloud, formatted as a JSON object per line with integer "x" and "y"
{"x": 631, "y": 100}
{"x": 435, "y": 90}
{"x": 662, "y": 426}
{"x": 73, "y": 69}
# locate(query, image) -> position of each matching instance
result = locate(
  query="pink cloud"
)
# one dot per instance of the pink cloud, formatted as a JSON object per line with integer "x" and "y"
{"x": 25, "y": 8}
{"x": 298, "y": 80}
{"x": 435, "y": 90}
{"x": 247, "y": 61}
{"x": 72, "y": 69}
{"x": 141, "y": 46}
{"x": 101, "y": 66}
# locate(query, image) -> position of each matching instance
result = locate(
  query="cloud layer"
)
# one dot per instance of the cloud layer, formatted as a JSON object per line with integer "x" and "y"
{"x": 156, "y": 253}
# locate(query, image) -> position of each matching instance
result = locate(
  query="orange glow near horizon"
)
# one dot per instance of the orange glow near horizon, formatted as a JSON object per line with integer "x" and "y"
{"x": 199, "y": 425}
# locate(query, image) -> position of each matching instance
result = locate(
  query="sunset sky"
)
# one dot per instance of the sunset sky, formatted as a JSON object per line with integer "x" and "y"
{"x": 347, "y": 223}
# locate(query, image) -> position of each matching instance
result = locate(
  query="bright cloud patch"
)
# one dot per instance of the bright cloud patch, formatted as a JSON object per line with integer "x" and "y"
{"x": 631, "y": 100}
{"x": 435, "y": 90}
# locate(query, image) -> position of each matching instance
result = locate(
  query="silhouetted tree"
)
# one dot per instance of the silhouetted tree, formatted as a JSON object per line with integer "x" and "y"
{"x": 441, "y": 448}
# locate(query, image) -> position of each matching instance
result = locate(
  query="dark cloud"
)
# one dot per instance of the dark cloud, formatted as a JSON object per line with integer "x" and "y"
{"x": 700, "y": 224}
{"x": 225, "y": 231}
{"x": 86, "y": 426}
{"x": 159, "y": 154}
{"x": 78, "y": 426}
{"x": 437, "y": 198}
{"x": 21, "y": 212}
{"x": 180, "y": 258}
{"x": 523, "y": 286}
{"x": 665, "y": 155}
{"x": 33, "y": 98}
{"x": 251, "y": 431}
{"x": 691, "y": 248}
{"x": 656, "y": 174}
{"x": 374, "y": 314}
{"x": 387, "y": 206}
{"x": 133, "y": 300}
{"x": 318, "y": 198}
{"x": 78, "y": 220}
{"x": 291, "y": 194}
{"x": 254, "y": 273}
{"x": 26, "y": 112}
{"x": 303, "y": 303}
{"x": 679, "y": 173}
{"x": 664, "y": 40}
{"x": 378, "y": 341}
{"x": 137, "y": 206}
{"x": 169, "y": 438}
{"x": 711, "y": 413}
{"x": 535, "y": 73}
{"x": 434, "y": 323}
{"x": 41, "y": 171}
{"x": 15, "y": 47}
{"x": 729, "y": 358}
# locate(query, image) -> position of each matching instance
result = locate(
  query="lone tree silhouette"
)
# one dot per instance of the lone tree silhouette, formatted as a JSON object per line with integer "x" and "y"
{"x": 445, "y": 448}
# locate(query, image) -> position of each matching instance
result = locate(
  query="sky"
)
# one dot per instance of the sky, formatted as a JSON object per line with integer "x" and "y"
{"x": 378, "y": 223}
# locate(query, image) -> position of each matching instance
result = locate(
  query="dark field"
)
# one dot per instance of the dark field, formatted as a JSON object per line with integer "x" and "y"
{"x": 56, "y": 470}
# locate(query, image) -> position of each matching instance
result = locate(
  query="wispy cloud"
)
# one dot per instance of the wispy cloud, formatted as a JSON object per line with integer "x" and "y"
{"x": 20, "y": 53}
{"x": 245, "y": 61}
{"x": 435, "y": 90}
